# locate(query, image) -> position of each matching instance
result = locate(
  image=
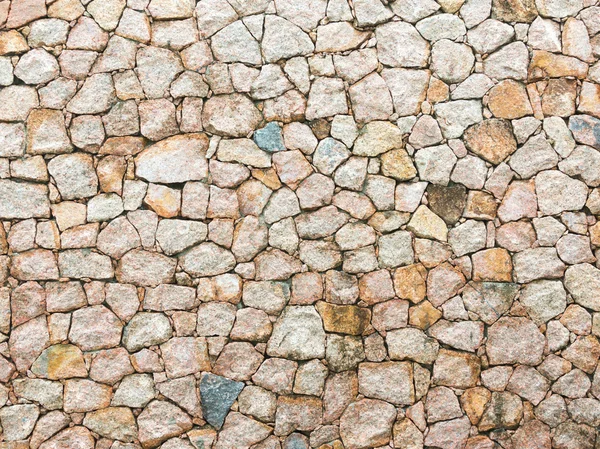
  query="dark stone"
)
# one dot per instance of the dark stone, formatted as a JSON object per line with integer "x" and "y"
{"x": 269, "y": 138}
{"x": 296, "y": 441}
{"x": 586, "y": 130}
{"x": 218, "y": 395}
{"x": 320, "y": 128}
{"x": 447, "y": 201}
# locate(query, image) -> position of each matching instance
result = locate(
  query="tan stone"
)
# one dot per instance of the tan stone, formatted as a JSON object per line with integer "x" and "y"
{"x": 12, "y": 42}
{"x": 268, "y": 177}
{"x": 111, "y": 170}
{"x": 60, "y": 362}
{"x": 559, "y": 96}
{"x": 424, "y": 223}
{"x": 123, "y": 146}
{"x": 492, "y": 265}
{"x": 410, "y": 282}
{"x": 504, "y": 410}
{"x": 473, "y": 402}
{"x": 423, "y": 315}
{"x": 480, "y": 205}
{"x": 545, "y": 64}
{"x": 595, "y": 234}
{"x": 589, "y": 99}
{"x": 398, "y": 165}
{"x": 456, "y": 369}
{"x": 509, "y": 99}
{"x": 438, "y": 91}
{"x": 163, "y": 200}
{"x": 514, "y": 10}
{"x": 343, "y": 319}
{"x": 46, "y": 132}
{"x": 491, "y": 139}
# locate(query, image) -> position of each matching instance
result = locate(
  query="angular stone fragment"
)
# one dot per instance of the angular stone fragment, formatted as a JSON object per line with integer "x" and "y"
{"x": 581, "y": 281}
{"x": 412, "y": 344}
{"x": 47, "y": 133}
{"x": 388, "y": 381}
{"x": 424, "y": 223}
{"x": 400, "y": 45}
{"x": 192, "y": 350}
{"x": 492, "y": 140}
{"x": 60, "y": 362}
{"x": 283, "y": 40}
{"x": 174, "y": 160}
{"x": 161, "y": 420}
{"x": 241, "y": 431}
{"x": 511, "y": 61}
{"x": 146, "y": 329}
{"x": 207, "y": 259}
{"x": 338, "y": 36}
{"x": 23, "y": 200}
{"x": 230, "y": 115}
{"x": 218, "y": 394}
{"x": 408, "y": 89}
{"x": 145, "y": 268}
{"x": 367, "y": 423}
{"x": 95, "y": 328}
{"x": 456, "y": 369}
{"x": 343, "y": 319}
{"x": 514, "y": 340}
{"x": 544, "y": 300}
{"x": 448, "y": 433}
{"x": 298, "y": 334}
{"x": 302, "y": 413}
{"x": 36, "y": 264}
{"x": 77, "y": 436}
{"x": 326, "y": 98}
{"x": 18, "y": 421}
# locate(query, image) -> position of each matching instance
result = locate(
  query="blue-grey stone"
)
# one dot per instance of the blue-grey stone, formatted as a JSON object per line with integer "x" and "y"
{"x": 586, "y": 130}
{"x": 218, "y": 395}
{"x": 296, "y": 441}
{"x": 269, "y": 138}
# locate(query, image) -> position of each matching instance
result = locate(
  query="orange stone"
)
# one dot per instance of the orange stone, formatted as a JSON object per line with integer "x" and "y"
{"x": 351, "y": 320}
{"x": 509, "y": 99}
{"x": 410, "y": 282}
{"x": 474, "y": 401}
{"x": 423, "y": 315}
{"x": 492, "y": 265}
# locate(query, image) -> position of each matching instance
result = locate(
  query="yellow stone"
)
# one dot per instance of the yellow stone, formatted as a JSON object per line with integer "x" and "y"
{"x": 12, "y": 42}
{"x": 351, "y": 320}
{"x": 589, "y": 99}
{"x": 423, "y": 315}
{"x": 398, "y": 165}
{"x": 268, "y": 177}
{"x": 480, "y": 205}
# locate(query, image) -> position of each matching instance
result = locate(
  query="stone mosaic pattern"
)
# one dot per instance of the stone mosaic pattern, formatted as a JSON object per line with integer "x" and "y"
{"x": 283, "y": 224}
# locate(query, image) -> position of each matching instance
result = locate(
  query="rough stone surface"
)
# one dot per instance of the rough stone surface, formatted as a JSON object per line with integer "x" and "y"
{"x": 279, "y": 224}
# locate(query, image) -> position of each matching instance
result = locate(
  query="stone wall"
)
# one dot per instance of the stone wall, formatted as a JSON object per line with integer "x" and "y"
{"x": 283, "y": 224}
